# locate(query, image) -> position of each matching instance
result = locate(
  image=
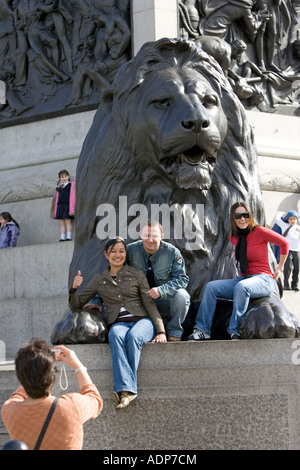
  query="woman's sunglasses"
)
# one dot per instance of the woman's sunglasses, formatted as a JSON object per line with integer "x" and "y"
{"x": 239, "y": 216}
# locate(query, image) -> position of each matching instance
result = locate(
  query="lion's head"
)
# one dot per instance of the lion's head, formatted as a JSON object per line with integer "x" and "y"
{"x": 169, "y": 130}
{"x": 177, "y": 122}
{"x": 178, "y": 125}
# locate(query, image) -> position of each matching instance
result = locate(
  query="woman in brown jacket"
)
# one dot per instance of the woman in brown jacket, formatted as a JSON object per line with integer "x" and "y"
{"x": 132, "y": 316}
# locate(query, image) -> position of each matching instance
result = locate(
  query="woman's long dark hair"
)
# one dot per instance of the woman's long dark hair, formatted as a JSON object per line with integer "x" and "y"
{"x": 111, "y": 242}
{"x": 6, "y": 216}
{"x": 252, "y": 224}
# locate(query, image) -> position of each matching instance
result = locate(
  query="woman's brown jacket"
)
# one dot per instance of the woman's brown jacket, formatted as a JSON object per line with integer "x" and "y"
{"x": 129, "y": 291}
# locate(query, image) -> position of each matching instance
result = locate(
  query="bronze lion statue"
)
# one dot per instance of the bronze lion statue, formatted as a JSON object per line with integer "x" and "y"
{"x": 168, "y": 131}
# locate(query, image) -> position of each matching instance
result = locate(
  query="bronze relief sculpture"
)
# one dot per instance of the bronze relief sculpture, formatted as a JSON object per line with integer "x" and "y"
{"x": 268, "y": 30}
{"x": 57, "y": 55}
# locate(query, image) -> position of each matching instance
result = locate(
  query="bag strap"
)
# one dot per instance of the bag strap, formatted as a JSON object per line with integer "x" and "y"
{"x": 46, "y": 423}
{"x": 286, "y": 232}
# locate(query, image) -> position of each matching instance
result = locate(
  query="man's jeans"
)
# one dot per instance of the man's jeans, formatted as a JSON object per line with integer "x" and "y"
{"x": 126, "y": 340}
{"x": 240, "y": 290}
{"x": 173, "y": 311}
{"x": 292, "y": 263}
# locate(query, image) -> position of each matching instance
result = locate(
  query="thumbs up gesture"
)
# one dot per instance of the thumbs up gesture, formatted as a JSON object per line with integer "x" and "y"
{"x": 77, "y": 280}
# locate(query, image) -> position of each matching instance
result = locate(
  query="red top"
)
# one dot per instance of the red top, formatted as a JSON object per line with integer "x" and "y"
{"x": 257, "y": 249}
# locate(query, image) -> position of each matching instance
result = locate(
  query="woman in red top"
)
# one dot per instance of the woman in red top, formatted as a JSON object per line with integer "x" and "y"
{"x": 256, "y": 278}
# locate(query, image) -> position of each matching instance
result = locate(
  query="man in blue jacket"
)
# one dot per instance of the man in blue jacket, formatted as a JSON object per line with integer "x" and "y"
{"x": 164, "y": 267}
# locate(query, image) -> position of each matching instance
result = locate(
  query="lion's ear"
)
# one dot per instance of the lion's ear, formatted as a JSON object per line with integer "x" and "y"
{"x": 107, "y": 97}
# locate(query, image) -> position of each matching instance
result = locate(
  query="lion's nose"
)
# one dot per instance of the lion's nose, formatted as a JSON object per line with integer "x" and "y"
{"x": 195, "y": 125}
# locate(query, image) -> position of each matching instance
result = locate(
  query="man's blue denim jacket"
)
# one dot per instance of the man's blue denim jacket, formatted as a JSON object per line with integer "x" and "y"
{"x": 167, "y": 264}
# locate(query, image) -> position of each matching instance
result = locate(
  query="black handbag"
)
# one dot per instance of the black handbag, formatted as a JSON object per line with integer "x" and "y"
{"x": 46, "y": 423}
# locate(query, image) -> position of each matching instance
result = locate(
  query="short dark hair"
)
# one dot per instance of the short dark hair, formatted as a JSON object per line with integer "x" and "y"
{"x": 36, "y": 368}
{"x": 153, "y": 223}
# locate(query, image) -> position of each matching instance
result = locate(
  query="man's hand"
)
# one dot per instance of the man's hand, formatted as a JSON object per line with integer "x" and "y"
{"x": 154, "y": 293}
{"x": 93, "y": 307}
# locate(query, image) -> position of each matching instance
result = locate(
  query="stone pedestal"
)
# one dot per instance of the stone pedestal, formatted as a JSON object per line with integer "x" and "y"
{"x": 213, "y": 395}
{"x": 152, "y": 20}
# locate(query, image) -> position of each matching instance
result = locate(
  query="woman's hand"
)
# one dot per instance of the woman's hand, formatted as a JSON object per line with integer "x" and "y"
{"x": 78, "y": 280}
{"x": 280, "y": 266}
{"x": 160, "y": 338}
{"x": 277, "y": 273}
{"x": 67, "y": 356}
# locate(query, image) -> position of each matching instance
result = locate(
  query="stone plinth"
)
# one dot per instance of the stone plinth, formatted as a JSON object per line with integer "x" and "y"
{"x": 212, "y": 395}
{"x": 196, "y": 396}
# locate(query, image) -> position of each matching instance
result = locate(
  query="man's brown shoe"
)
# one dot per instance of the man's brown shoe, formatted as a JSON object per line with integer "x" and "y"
{"x": 173, "y": 338}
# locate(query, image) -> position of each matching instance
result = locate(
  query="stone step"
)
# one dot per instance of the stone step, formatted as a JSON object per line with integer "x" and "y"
{"x": 25, "y": 318}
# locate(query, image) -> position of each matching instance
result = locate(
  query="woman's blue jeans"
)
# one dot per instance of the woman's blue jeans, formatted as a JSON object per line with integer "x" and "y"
{"x": 126, "y": 340}
{"x": 240, "y": 290}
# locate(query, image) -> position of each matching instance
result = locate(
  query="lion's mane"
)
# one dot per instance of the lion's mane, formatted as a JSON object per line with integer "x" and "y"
{"x": 111, "y": 165}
